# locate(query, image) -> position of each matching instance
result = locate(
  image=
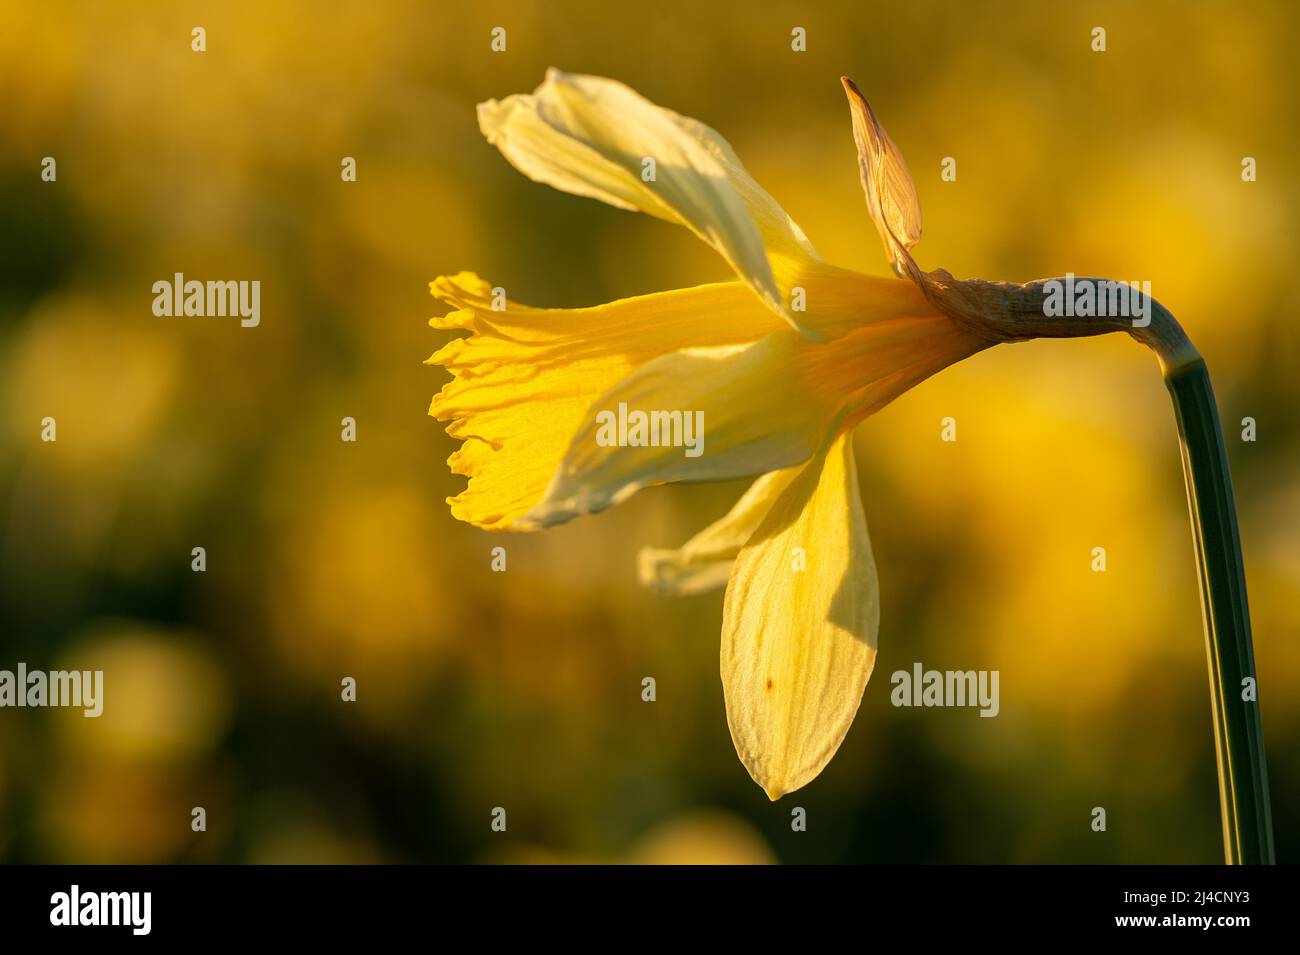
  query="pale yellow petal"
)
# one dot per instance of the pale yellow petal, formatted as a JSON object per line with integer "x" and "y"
{"x": 524, "y": 379}
{"x": 595, "y": 137}
{"x": 704, "y": 562}
{"x": 839, "y": 301}
{"x": 799, "y": 626}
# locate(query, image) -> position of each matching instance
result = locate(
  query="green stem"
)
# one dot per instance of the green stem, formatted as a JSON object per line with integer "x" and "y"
{"x": 1009, "y": 312}
{"x": 1238, "y": 732}
{"x": 1003, "y": 311}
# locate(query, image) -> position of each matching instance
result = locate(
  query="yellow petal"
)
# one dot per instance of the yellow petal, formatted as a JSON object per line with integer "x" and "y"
{"x": 760, "y": 407}
{"x": 839, "y": 301}
{"x": 526, "y": 377}
{"x": 891, "y": 194}
{"x": 593, "y": 137}
{"x": 704, "y": 562}
{"x": 799, "y": 626}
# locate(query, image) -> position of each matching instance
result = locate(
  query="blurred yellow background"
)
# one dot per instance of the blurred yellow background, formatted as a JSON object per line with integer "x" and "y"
{"x": 522, "y": 690}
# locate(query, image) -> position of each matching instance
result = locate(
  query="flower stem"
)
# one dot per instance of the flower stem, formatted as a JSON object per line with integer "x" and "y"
{"x": 1004, "y": 311}
{"x": 1238, "y": 732}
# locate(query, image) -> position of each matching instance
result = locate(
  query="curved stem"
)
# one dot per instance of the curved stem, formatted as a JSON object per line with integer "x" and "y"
{"x": 1238, "y": 731}
{"x": 1004, "y": 311}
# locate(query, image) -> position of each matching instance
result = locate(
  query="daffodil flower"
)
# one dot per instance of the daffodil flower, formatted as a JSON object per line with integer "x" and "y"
{"x": 783, "y": 362}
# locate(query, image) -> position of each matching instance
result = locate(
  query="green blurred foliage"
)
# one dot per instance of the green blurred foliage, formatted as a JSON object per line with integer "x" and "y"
{"x": 522, "y": 689}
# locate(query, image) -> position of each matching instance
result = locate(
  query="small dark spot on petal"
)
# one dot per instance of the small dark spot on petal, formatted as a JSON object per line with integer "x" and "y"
{"x": 769, "y": 683}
